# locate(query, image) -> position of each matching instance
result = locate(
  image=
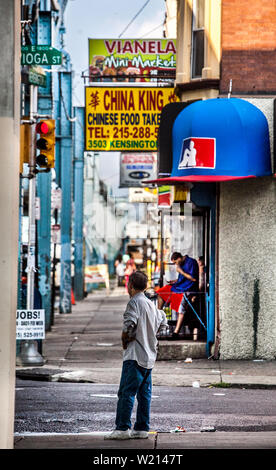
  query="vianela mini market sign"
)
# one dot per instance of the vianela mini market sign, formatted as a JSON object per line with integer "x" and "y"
{"x": 131, "y": 57}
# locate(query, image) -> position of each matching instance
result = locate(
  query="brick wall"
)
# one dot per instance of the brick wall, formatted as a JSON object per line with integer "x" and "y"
{"x": 248, "y": 46}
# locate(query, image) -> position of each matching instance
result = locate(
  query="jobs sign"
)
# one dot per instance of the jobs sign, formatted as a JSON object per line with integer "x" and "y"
{"x": 124, "y": 119}
{"x": 30, "y": 324}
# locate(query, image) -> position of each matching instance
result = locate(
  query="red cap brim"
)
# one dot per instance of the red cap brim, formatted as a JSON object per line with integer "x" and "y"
{"x": 172, "y": 180}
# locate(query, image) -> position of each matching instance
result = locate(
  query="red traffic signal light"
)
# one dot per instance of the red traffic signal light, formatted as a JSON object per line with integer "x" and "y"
{"x": 46, "y": 143}
{"x": 42, "y": 127}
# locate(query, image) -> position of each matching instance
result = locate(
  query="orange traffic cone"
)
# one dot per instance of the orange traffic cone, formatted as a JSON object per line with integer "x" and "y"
{"x": 72, "y": 298}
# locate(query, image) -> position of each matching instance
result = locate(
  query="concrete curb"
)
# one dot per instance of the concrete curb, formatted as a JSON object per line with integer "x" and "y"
{"x": 156, "y": 441}
{"x": 82, "y": 376}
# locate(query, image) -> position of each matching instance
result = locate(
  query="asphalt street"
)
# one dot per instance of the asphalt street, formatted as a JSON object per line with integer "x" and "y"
{"x": 51, "y": 407}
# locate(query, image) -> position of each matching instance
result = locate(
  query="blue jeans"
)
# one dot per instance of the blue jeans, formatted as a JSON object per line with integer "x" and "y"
{"x": 135, "y": 381}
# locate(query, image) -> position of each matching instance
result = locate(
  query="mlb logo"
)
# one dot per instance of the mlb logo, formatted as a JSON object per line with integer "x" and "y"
{"x": 198, "y": 152}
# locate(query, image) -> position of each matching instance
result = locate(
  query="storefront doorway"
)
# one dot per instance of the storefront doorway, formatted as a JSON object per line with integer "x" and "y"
{"x": 189, "y": 228}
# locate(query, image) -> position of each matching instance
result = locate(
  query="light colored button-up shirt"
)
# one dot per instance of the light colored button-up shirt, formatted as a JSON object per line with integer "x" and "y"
{"x": 142, "y": 320}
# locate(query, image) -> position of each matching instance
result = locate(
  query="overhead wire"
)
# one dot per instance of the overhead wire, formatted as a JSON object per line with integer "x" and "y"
{"x": 151, "y": 31}
{"x": 135, "y": 16}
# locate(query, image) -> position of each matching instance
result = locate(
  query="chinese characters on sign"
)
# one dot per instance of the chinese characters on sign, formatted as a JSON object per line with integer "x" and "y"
{"x": 124, "y": 119}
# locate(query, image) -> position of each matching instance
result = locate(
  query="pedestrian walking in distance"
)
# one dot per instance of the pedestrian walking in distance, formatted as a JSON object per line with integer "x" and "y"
{"x": 142, "y": 321}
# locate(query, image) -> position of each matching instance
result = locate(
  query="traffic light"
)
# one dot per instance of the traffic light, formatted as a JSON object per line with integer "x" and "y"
{"x": 25, "y": 144}
{"x": 46, "y": 143}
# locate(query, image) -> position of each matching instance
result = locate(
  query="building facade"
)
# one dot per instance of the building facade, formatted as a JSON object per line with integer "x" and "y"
{"x": 226, "y": 50}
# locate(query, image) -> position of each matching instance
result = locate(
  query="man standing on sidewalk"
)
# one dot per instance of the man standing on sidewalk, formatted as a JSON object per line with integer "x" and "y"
{"x": 142, "y": 320}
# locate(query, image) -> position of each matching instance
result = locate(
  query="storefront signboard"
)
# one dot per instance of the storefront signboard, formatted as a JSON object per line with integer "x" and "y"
{"x": 165, "y": 196}
{"x": 124, "y": 119}
{"x": 135, "y": 167}
{"x": 126, "y": 59}
{"x": 145, "y": 195}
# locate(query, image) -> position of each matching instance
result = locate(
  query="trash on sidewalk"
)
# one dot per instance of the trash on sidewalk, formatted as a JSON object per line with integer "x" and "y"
{"x": 196, "y": 384}
{"x": 178, "y": 429}
{"x": 208, "y": 429}
{"x": 188, "y": 360}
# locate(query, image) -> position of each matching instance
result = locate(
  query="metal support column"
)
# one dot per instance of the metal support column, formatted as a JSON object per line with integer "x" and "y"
{"x": 78, "y": 201}
{"x": 44, "y": 244}
{"x": 45, "y": 107}
{"x": 20, "y": 256}
{"x": 65, "y": 90}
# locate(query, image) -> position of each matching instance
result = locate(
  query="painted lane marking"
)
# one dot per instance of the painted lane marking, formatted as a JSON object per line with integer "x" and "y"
{"x": 111, "y": 395}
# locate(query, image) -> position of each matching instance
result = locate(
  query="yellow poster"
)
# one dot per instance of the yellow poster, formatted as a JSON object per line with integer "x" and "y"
{"x": 124, "y": 119}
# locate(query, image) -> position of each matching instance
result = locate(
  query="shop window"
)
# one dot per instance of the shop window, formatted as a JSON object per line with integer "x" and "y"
{"x": 183, "y": 233}
{"x": 198, "y": 38}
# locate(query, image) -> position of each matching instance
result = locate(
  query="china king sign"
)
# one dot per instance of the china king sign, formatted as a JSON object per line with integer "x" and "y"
{"x": 124, "y": 119}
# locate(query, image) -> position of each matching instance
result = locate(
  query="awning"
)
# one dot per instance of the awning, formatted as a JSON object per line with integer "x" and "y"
{"x": 219, "y": 140}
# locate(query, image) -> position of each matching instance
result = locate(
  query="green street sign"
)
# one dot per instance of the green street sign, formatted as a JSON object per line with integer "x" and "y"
{"x": 40, "y": 55}
{"x": 37, "y": 76}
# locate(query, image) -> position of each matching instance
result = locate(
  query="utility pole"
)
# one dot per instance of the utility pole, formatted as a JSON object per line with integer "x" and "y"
{"x": 65, "y": 91}
{"x": 78, "y": 201}
{"x": 29, "y": 354}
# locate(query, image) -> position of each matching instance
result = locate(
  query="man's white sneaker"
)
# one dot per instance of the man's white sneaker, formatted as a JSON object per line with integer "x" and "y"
{"x": 117, "y": 434}
{"x": 139, "y": 434}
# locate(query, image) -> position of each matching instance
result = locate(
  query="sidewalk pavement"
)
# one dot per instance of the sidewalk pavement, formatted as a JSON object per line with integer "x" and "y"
{"x": 155, "y": 442}
{"x": 85, "y": 346}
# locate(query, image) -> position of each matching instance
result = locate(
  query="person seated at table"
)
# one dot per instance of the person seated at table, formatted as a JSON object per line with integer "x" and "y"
{"x": 187, "y": 282}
